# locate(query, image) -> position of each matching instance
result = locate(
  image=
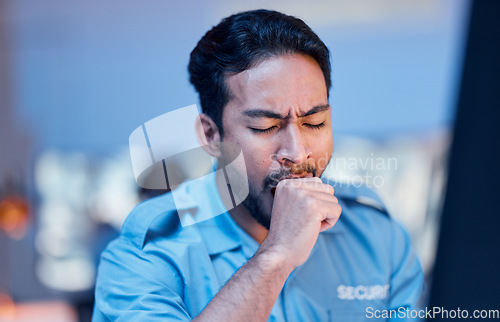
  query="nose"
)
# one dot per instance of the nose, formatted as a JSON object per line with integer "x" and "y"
{"x": 293, "y": 146}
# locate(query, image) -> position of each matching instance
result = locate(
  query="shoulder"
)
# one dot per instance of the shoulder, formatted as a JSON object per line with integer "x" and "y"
{"x": 366, "y": 228}
{"x": 145, "y": 215}
{"x": 147, "y": 267}
{"x": 365, "y": 214}
{"x": 153, "y": 218}
{"x": 153, "y": 243}
{"x": 359, "y": 197}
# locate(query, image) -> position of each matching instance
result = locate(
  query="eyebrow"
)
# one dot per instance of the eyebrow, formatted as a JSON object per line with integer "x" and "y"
{"x": 258, "y": 113}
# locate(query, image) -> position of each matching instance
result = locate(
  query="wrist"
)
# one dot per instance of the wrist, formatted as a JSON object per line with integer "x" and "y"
{"x": 272, "y": 259}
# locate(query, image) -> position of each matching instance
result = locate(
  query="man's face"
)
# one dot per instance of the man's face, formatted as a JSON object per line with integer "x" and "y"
{"x": 278, "y": 113}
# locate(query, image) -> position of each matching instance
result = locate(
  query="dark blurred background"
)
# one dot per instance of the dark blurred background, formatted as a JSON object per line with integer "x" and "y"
{"x": 77, "y": 77}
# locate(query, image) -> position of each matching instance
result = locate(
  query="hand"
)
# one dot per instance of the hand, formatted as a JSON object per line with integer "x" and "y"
{"x": 302, "y": 208}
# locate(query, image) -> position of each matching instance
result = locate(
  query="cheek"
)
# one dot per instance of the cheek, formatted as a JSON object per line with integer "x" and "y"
{"x": 323, "y": 152}
{"x": 258, "y": 165}
{"x": 259, "y": 162}
{"x": 258, "y": 157}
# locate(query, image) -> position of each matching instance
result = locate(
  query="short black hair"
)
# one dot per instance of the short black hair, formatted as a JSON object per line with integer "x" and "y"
{"x": 241, "y": 40}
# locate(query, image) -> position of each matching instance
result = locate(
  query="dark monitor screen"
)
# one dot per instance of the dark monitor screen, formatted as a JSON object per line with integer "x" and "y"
{"x": 467, "y": 270}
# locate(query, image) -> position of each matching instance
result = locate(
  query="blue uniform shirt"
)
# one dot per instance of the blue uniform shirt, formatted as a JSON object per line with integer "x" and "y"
{"x": 159, "y": 270}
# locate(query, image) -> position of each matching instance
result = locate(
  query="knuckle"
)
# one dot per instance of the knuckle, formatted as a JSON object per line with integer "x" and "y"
{"x": 282, "y": 185}
{"x": 310, "y": 202}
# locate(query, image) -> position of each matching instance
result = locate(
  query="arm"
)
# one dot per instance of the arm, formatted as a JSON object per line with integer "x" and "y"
{"x": 250, "y": 294}
{"x": 302, "y": 208}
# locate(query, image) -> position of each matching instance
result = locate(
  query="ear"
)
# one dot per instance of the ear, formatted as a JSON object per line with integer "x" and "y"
{"x": 208, "y": 135}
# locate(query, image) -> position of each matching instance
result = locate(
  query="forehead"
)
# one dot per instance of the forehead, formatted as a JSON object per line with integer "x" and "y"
{"x": 286, "y": 84}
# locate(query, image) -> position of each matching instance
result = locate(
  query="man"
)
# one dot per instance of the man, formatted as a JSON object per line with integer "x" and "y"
{"x": 263, "y": 80}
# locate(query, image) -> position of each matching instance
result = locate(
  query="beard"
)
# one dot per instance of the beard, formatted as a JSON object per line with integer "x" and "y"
{"x": 254, "y": 205}
{"x": 254, "y": 202}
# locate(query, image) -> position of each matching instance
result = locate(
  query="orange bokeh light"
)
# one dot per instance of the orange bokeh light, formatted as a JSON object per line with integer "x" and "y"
{"x": 7, "y": 307}
{"x": 14, "y": 216}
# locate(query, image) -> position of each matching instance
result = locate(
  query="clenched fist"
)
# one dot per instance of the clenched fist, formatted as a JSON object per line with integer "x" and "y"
{"x": 302, "y": 208}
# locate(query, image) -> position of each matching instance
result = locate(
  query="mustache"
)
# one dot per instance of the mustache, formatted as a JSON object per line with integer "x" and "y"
{"x": 272, "y": 179}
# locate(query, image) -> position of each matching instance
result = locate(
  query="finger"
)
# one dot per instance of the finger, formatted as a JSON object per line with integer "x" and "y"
{"x": 325, "y": 196}
{"x": 328, "y": 210}
{"x": 327, "y": 224}
{"x": 320, "y": 187}
{"x": 331, "y": 219}
{"x": 311, "y": 184}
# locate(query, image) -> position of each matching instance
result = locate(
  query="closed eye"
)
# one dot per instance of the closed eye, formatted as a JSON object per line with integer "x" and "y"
{"x": 315, "y": 126}
{"x": 264, "y": 131}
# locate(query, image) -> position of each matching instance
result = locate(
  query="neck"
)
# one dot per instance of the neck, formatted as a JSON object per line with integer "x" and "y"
{"x": 242, "y": 216}
{"x": 247, "y": 222}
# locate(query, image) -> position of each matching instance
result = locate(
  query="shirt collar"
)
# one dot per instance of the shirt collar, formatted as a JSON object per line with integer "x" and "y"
{"x": 200, "y": 200}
